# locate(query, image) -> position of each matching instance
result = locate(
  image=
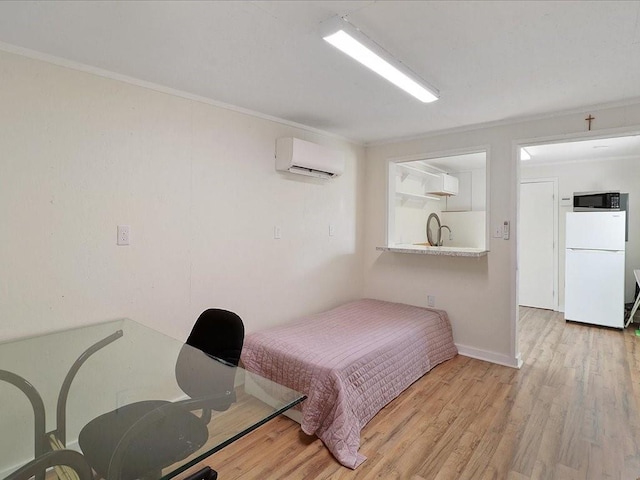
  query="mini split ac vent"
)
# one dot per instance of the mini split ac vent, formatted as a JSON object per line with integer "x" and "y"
{"x": 306, "y": 158}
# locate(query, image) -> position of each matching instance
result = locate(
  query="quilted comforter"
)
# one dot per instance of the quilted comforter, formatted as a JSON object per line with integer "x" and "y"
{"x": 350, "y": 361}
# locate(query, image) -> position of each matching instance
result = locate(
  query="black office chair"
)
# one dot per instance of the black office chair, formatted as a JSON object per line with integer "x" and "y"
{"x": 138, "y": 440}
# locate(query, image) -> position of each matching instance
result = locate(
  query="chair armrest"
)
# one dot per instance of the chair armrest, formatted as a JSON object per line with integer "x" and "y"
{"x": 218, "y": 403}
{"x": 61, "y": 407}
{"x": 209, "y": 402}
{"x": 39, "y": 426}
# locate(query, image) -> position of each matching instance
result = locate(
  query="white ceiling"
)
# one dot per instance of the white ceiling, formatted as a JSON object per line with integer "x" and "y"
{"x": 616, "y": 148}
{"x": 491, "y": 61}
{"x": 460, "y": 163}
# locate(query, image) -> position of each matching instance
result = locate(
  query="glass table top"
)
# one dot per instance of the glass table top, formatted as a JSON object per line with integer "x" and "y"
{"x": 54, "y": 385}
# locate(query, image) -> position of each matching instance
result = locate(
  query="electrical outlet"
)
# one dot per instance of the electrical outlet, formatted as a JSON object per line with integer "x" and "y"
{"x": 431, "y": 301}
{"x": 123, "y": 235}
{"x": 332, "y": 230}
{"x": 277, "y": 232}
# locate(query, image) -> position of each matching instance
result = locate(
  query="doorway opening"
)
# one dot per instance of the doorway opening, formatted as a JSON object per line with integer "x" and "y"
{"x": 549, "y": 175}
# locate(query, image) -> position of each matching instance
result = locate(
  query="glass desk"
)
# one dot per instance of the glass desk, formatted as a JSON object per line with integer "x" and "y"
{"x": 51, "y": 386}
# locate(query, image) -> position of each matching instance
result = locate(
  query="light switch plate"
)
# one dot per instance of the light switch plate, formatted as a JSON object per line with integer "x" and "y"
{"x": 506, "y": 230}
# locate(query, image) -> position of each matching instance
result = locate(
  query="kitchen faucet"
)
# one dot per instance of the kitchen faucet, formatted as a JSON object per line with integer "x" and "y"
{"x": 440, "y": 234}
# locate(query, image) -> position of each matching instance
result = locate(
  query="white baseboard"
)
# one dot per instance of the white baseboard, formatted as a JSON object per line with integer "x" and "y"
{"x": 487, "y": 356}
{"x": 252, "y": 388}
{"x": 295, "y": 415}
{"x": 5, "y": 470}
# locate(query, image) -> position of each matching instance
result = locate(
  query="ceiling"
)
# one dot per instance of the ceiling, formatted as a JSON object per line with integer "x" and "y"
{"x": 459, "y": 163}
{"x": 491, "y": 61}
{"x": 614, "y": 148}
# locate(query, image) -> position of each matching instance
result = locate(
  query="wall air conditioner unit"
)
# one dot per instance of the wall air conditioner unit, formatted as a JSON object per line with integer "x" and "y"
{"x": 307, "y": 158}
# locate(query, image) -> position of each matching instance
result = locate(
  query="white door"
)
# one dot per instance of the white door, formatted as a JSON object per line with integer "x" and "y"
{"x": 537, "y": 245}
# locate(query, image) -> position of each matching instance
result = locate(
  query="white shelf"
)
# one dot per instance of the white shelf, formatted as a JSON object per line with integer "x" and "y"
{"x": 407, "y": 170}
{"x": 441, "y": 184}
{"x": 413, "y": 196}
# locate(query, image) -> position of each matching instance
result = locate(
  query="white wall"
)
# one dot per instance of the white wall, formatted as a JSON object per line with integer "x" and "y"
{"x": 479, "y": 294}
{"x": 81, "y": 154}
{"x": 468, "y": 229}
{"x": 621, "y": 174}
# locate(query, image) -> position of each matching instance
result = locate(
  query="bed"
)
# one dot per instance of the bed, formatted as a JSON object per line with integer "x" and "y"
{"x": 350, "y": 361}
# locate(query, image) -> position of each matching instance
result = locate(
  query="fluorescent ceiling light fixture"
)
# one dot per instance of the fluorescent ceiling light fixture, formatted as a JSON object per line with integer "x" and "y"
{"x": 524, "y": 155}
{"x": 358, "y": 46}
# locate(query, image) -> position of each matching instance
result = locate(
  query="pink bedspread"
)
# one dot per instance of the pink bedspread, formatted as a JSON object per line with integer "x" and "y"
{"x": 350, "y": 362}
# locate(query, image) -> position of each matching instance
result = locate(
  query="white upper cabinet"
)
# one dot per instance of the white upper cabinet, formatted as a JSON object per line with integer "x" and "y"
{"x": 462, "y": 201}
{"x": 442, "y": 184}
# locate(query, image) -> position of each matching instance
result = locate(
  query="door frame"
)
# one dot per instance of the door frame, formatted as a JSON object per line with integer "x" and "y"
{"x": 556, "y": 218}
{"x": 516, "y": 145}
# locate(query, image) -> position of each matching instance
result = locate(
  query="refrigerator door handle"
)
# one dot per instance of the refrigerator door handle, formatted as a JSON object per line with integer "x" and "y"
{"x": 594, "y": 250}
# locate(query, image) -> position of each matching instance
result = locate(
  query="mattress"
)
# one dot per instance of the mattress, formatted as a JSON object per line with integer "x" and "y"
{"x": 350, "y": 361}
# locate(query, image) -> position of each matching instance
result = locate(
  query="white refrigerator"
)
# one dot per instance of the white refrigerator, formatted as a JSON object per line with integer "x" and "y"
{"x": 594, "y": 268}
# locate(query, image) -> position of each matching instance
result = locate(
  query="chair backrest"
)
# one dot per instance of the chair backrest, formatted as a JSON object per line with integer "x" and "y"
{"x": 217, "y": 333}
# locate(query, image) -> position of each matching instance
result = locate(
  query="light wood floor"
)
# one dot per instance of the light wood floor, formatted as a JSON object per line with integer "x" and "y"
{"x": 571, "y": 412}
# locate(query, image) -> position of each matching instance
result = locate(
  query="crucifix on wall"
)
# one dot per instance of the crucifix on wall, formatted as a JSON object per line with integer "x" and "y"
{"x": 589, "y": 119}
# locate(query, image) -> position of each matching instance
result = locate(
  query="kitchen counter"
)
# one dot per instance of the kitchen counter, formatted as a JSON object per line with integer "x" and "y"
{"x": 428, "y": 250}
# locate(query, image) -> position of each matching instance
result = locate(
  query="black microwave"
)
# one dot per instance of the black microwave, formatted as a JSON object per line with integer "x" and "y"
{"x": 593, "y": 201}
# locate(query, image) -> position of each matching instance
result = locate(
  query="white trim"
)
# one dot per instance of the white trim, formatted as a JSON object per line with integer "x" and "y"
{"x": 486, "y": 149}
{"x": 63, "y": 62}
{"x": 510, "y": 121}
{"x": 627, "y": 131}
{"x": 487, "y": 199}
{"x": 441, "y": 154}
{"x": 580, "y": 161}
{"x": 487, "y": 356}
{"x": 72, "y": 445}
{"x": 9, "y": 470}
{"x": 391, "y": 202}
{"x": 515, "y": 187}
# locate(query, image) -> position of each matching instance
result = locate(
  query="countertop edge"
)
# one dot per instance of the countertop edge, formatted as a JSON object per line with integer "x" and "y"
{"x": 418, "y": 250}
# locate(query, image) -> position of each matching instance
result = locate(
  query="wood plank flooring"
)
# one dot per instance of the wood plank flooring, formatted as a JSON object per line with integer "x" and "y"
{"x": 571, "y": 412}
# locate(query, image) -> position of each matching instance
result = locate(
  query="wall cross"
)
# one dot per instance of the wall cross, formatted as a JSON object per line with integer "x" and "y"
{"x": 589, "y": 119}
